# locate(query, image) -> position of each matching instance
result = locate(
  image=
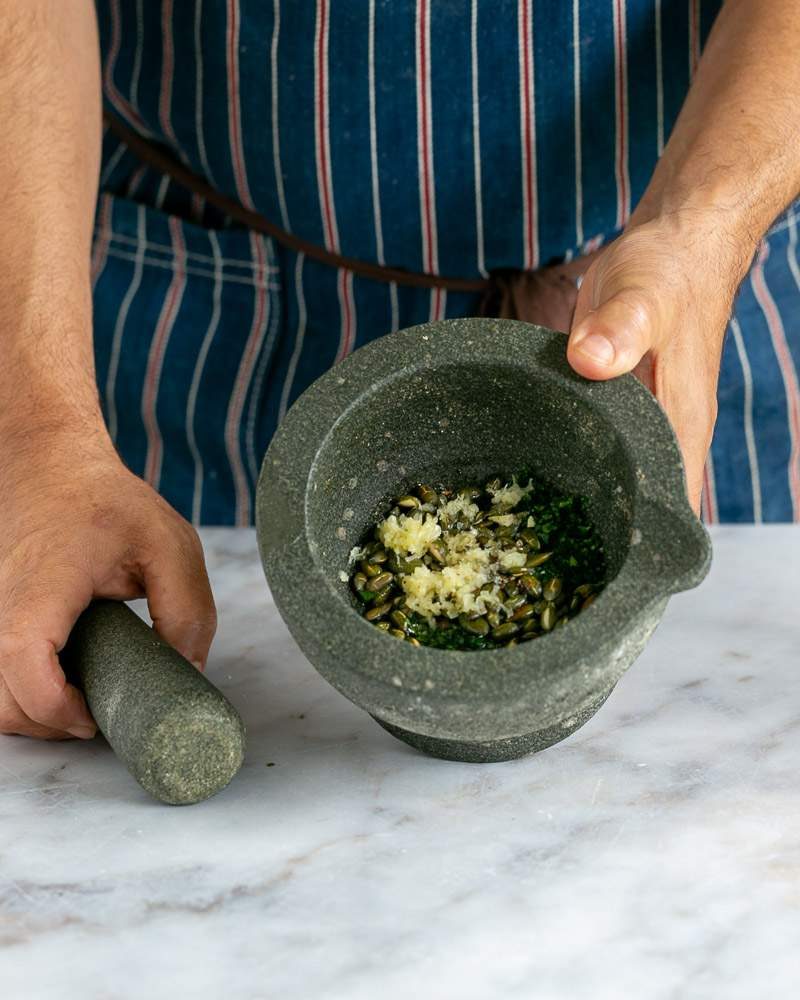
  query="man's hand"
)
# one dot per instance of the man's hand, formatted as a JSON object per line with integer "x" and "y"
{"x": 77, "y": 525}
{"x": 656, "y": 303}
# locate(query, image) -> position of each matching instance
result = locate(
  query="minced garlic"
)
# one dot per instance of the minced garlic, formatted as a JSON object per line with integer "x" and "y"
{"x": 409, "y": 535}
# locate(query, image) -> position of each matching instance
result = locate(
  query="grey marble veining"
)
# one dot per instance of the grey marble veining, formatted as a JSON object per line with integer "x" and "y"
{"x": 654, "y": 854}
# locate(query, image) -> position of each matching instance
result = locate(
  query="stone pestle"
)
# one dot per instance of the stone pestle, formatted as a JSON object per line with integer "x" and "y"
{"x": 177, "y": 734}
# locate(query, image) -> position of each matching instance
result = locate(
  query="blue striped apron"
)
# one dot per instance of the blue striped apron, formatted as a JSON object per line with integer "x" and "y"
{"x": 448, "y": 136}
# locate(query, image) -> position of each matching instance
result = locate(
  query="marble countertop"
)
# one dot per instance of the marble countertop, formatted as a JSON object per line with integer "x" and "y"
{"x": 654, "y": 854}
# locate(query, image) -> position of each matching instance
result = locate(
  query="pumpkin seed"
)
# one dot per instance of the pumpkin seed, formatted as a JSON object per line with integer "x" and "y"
{"x": 397, "y": 633}
{"x": 531, "y": 584}
{"x": 427, "y": 494}
{"x": 399, "y": 619}
{"x": 493, "y": 618}
{"x": 409, "y": 502}
{"x": 531, "y": 625}
{"x": 505, "y": 631}
{"x": 413, "y": 641}
{"x": 380, "y": 581}
{"x": 548, "y": 618}
{"x": 511, "y": 643}
{"x": 437, "y": 550}
{"x": 538, "y": 559}
{"x": 522, "y": 612}
{"x": 470, "y": 493}
{"x": 379, "y": 557}
{"x": 584, "y": 590}
{"x": 551, "y": 589}
{"x": 475, "y": 626}
{"x": 531, "y": 539}
{"x": 371, "y": 569}
{"x": 588, "y": 602}
{"x": 382, "y": 596}
{"x": 378, "y": 611}
{"x": 383, "y": 626}
{"x": 359, "y": 581}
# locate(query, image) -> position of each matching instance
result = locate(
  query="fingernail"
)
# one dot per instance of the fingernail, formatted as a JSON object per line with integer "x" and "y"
{"x": 83, "y": 732}
{"x": 594, "y": 346}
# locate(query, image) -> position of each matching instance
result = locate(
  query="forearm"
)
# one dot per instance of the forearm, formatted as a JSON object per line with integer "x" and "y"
{"x": 49, "y": 158}
{"x": 732, "y": 163}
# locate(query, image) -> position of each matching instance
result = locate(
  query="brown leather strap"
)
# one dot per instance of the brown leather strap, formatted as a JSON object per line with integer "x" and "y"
{"x": 162, "y": 161}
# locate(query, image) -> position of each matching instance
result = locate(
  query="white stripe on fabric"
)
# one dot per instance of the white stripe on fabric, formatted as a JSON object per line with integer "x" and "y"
{"x": 749, "y": 435}
{"x": 200, "y": 272}
{"x": 234, "y": 109}
{"x": 137, "y": 56}
{"x": 394, "y": 306}
{"x": 155, "y": 361}
{"x": 233, "y": 421}
{"x": 233, "y": 262}
{"x": 299, "y": 337}
{"x": 322, "y": 137}
{"x": 425, "y": 168}
{"x": 161, "y": 193}
{"x": 527, "y": 105}
{"x": 373, "y": 135}
{"x": 197, "y": 375}
{"x": 791, "y": 252}
{"x": 276, "y": 132}
{"x": 199, "y": 127}
{"x": 576, "y": 75}
{"x": 621, "y": 113}
{"x": 119, "y": 326}
{"x": 659, "y": 80}
{"x": 259, "y": 381}
{"x": 476, "y": 141}
{"x": 113, "y": 163}
{"x": 766, "y": 303}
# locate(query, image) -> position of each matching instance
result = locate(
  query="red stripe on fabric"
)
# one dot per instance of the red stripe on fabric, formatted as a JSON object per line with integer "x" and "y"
{"x": 788, "y": 371}
{"x": 621, "y": 81}
{"x": 116, "y": 98}
{"x": 167, "y": 71}
{"x": 425, "y": 139}
{"x": 243, "y": 378}
{"x": 155, "y": 361}
{"x": 234, "y": 120}
{"x": 694, "y": 35}
{"x": 709, "y": 498}
{"x": 102, "y": 239}
{"x": 347, "y": 308}
{"x": 329, "y": 227}
{"x": 528, "y": 151}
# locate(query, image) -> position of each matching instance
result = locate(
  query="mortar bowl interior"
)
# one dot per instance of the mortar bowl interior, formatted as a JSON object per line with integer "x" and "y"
{"x": 455, "y": 403}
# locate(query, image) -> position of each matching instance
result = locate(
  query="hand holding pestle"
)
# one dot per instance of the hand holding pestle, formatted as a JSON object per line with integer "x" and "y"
{"x": 178, "y": 735}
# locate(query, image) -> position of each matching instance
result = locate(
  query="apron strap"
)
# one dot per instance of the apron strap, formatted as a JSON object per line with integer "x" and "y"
{"x": 162, "y": 161}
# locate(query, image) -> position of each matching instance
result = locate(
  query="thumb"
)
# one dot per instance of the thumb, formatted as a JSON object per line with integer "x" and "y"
{"x": 613, "y": 338}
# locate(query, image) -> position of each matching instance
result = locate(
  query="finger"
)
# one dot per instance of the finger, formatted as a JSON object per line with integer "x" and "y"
{"x": 613, "y": 338}
{"x": 13, "y": 719}
{"x": 179, "y": 596}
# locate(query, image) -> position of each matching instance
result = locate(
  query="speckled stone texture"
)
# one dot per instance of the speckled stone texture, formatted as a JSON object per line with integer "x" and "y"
{"x": 456, "y": 402}
{"x": 178, "y": 735}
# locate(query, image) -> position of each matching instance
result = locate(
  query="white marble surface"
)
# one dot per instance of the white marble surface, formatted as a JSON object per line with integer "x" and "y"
{"x": 654, "y": 854}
